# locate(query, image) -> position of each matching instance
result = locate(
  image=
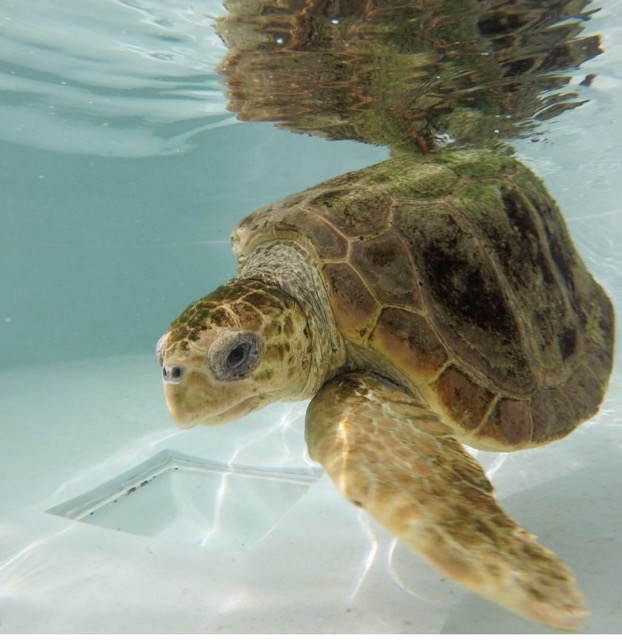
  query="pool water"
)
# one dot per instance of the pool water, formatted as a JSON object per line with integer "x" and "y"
{"x": 122, "y": 175}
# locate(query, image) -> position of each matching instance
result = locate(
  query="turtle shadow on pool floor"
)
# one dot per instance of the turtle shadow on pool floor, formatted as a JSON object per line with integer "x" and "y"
{"x": 577, "y": 515}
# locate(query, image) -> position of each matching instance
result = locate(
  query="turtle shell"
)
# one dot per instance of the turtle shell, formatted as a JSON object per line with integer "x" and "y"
{"x": 455, "y": 275}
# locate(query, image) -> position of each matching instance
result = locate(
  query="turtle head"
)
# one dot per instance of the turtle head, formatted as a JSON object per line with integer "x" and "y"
{"x": 243, "y": 346}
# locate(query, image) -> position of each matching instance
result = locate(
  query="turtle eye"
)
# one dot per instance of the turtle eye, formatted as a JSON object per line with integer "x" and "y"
{"x": 235, "y": 358}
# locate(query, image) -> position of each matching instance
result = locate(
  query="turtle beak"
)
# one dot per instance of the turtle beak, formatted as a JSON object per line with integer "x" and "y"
{"x": 179, "y": 400}
{"x": 183, "y": 418}
{"x": 172, "y": 375}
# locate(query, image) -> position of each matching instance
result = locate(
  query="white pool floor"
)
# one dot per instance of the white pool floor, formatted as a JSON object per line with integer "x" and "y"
{"x": 232, "y": 529}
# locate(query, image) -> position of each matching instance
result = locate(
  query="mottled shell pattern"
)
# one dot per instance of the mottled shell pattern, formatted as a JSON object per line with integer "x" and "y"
{"x": 456, "y": 277}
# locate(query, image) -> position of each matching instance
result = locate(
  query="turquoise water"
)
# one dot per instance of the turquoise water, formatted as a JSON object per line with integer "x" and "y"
{"x": 104, "y": 251}
{"x": 122, "y": 175}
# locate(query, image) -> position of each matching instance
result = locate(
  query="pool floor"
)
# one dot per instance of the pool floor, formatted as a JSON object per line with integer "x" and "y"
{"x": 112, "y": 520}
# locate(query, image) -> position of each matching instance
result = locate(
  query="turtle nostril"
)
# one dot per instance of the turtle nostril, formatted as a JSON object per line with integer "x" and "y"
{"x": 172, "y": 374}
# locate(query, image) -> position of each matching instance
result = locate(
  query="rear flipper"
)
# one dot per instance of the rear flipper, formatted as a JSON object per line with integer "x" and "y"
{"x": 391, "y": 455}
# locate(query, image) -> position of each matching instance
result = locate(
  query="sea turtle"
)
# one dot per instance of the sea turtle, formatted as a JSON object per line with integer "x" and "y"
{"x": 421, "y": 303}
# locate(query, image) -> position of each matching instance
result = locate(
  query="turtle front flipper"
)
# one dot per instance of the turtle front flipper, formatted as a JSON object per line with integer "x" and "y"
{"x": 392, "y": 456}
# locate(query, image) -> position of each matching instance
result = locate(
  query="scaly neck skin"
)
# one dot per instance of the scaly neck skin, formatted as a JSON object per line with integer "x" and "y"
{"x": 289, "y": 267}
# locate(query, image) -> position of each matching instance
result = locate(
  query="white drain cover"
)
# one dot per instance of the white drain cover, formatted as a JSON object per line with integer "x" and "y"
{"x": 178, "y": 497}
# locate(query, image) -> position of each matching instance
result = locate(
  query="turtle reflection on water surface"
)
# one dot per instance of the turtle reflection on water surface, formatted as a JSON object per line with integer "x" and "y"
{"x": 428, "y": 301}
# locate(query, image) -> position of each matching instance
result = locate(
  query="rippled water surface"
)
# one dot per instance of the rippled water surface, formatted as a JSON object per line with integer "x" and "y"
{"x": 124, "y": 79}
{"x": 122, "y": 174}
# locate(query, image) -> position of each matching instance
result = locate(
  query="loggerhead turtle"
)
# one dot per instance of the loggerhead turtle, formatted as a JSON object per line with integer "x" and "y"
{"x": 421, "y": 304}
